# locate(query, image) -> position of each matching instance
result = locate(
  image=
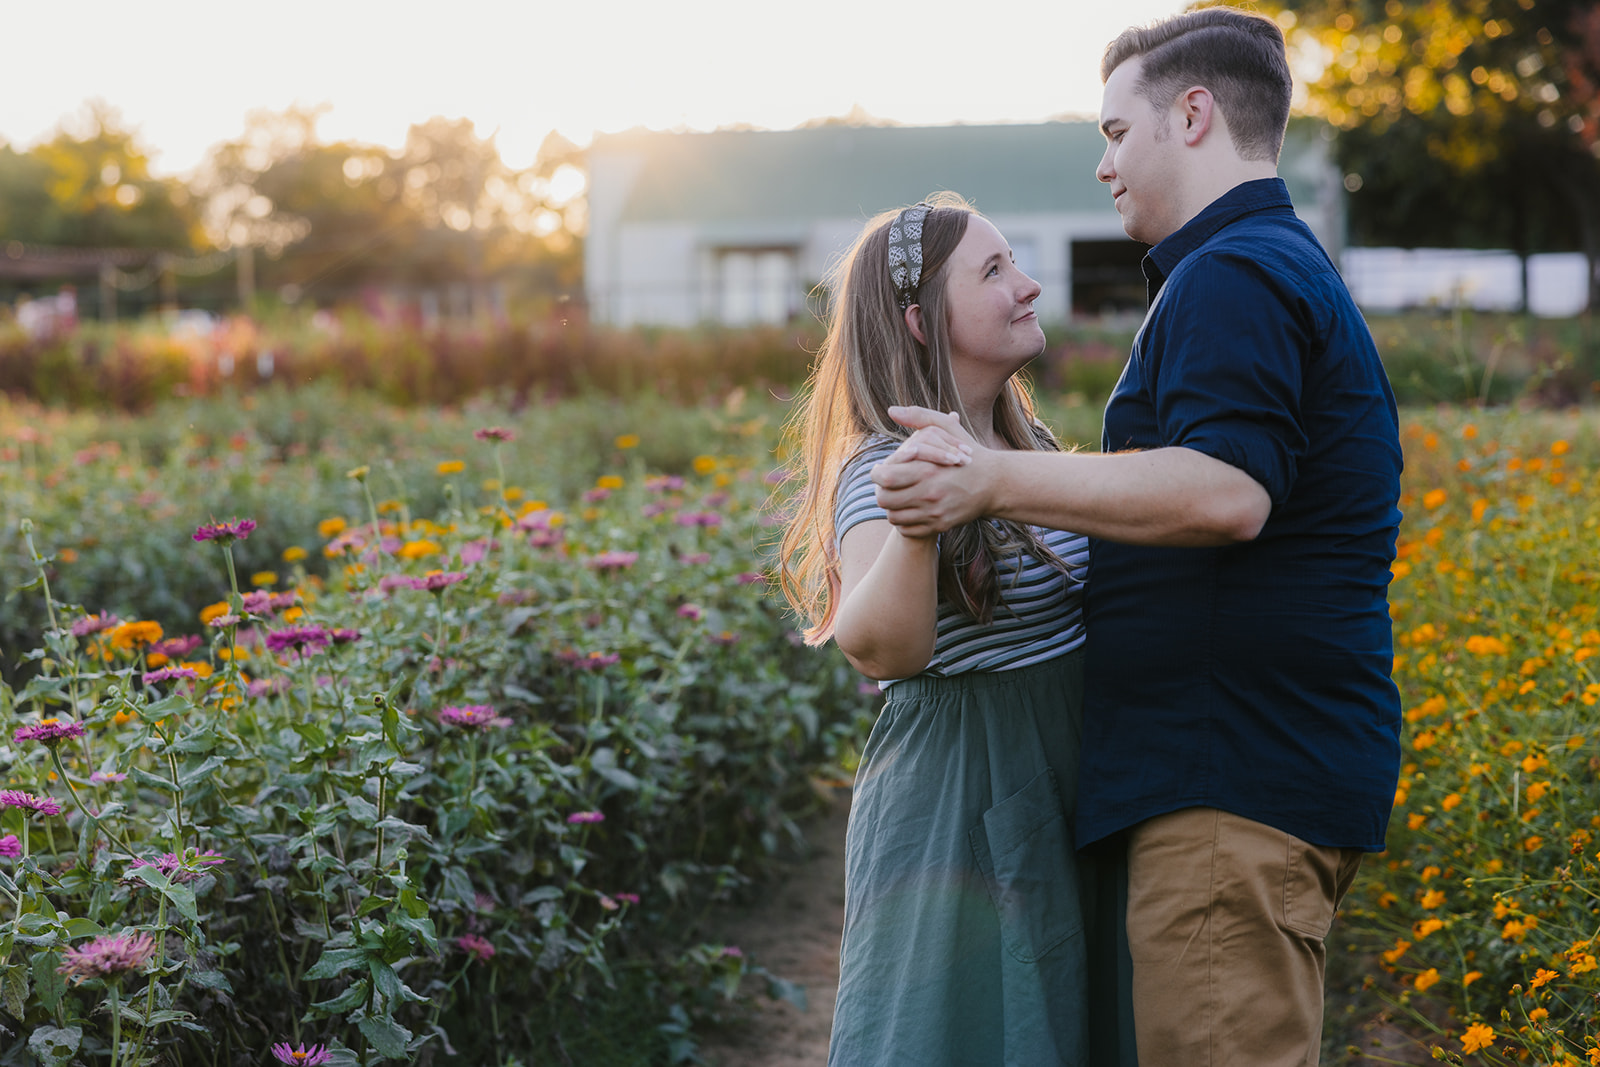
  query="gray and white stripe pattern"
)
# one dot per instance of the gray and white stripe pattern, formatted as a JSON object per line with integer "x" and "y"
{"x": 1040, "y": 615}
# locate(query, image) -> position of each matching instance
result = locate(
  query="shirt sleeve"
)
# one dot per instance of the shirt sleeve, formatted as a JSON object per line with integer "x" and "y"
{"x": 1231, "y": 351}
{"x": 856, "y": 501}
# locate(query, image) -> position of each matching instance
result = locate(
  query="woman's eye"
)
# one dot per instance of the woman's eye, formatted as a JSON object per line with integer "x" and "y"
{"x": 993, "y": 270}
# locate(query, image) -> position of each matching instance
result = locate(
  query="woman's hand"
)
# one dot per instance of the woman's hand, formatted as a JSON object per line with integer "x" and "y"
{"x": 946, "y": 444}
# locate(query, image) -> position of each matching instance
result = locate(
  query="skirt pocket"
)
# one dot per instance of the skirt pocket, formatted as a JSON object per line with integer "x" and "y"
{"x": 1024, "y": 851}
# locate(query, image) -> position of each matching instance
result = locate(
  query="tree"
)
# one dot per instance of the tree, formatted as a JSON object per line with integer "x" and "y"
{"x": 1465, "y": 121}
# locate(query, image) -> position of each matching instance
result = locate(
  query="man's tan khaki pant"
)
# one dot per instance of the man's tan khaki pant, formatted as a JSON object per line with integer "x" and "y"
{"x": 1226, "y": 921}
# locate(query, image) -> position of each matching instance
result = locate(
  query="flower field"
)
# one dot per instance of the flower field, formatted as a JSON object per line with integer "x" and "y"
{"x": 397, "y": 772}
{"x": 352, "y": 733}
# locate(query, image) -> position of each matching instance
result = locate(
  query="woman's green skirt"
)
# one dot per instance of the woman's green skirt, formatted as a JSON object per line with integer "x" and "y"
{"x": 974, "y": 933}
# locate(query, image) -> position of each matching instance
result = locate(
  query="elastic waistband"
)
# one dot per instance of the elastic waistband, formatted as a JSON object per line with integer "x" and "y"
{"x": 978, "y": 681}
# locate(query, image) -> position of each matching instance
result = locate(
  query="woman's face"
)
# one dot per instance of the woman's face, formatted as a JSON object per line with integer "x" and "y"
{"x": 990, "y": 301}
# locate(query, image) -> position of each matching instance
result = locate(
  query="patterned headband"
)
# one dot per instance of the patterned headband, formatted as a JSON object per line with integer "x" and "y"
{"x": 905, "y": 252}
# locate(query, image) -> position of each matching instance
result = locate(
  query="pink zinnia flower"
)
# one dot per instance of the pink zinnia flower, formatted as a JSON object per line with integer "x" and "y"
{"x": 314, "y": 1056}
{"x": 222, "y": 622}
{"x": 472, "y": 716}
{"x": 733, "y": 951}
{"x": 50, "y": 731}
{"x": 93, "y": 624}
{"x": 545, "y": 538}
{"x": 692, "y": 612}
{"x": 473, "y": 552}
{"x": 725, "y": 638}
{"x": 698, "y": 518}
{"x": 751, "y": 578}
{"x": 298, "y": 638}
{"x": 695, "y": 559}
{"x": 166, "y": 674}
{"x": 612, "y": 561}
{"x": 261, "y": 687}
{"x": 493, "y": 433}
{"x": 627, "y": 898}
{"x": 186, "y": 868}
{"x": 176, "y": 647}
{"x": 10, "y": 847}
{"x": 594, "y": 496}
{"x": 16, "y": 798}
{"x": 437, "y": 581}
{"x": 108, "y": 956}
{"x": 476, "y": 947}
{"x": 582, "y": 817}
{"x": 344, "y": 636}
{"x": 102, "y": 777}
{"x": 225, "y": 533}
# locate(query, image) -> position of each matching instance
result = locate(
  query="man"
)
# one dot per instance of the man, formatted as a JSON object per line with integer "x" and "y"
{"x": 1241, "y": 731}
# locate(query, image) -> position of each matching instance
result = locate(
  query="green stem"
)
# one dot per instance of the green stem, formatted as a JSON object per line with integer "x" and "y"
{"x": 116, "y": 1023}
{"x": 150, "y": 988}
{"x": 89, "y": 817}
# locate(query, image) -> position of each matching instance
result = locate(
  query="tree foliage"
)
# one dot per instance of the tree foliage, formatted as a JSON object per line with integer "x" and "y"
{"x": 1465, "y": 122}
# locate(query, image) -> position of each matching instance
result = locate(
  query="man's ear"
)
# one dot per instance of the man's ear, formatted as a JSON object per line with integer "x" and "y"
{"x": 1197, "y": 108}
{"x": 914, "y": 323}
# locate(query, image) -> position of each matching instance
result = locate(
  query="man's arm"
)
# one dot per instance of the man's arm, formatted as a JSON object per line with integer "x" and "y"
{"x": 1165, "y": 496}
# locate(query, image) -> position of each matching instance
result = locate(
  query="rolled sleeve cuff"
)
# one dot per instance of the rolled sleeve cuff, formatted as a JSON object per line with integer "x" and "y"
{"x": 1253, "y": 449}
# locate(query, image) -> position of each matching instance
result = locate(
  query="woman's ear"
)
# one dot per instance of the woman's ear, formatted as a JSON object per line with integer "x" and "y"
{"x": 914, "y": 323}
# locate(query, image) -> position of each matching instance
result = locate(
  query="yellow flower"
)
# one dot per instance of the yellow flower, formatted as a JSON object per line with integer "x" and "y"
{"x": 131, "y": 635}
{"x": 513, "y": 494}
{"x": 1582, "y": 966}
{"x": 1468, "y": 432}
{"x": 1424, "y": 740}
{"x": 1470, "y": 977}
{"x": 358, "y": 473}
{"x": 1541, "y": 976}
{"x": 451, "y": 466}
{"x": 1400, "y": 569}
{"x": 417, "y": 549}
{"x": 122, "y": 718}
{"x": 264, "y": 578}
{"x": 1423, "y": 927}
{"x": 1427, "y": 978}
{"x": 212, "y": 611}
{"x": 1515, "y": 930}
{"x": 1450, "y": 802}
{"x": 1560, "y": 448}
{"x": 1432, "y": 898}
{"x": 1532, "y": 844}
{"x": 1479, "y": 506}
{"x": 1415, "y": 820}
{"x": 1477, "y": 1037}
{"x": 233, "y": 653}
{"x": 1486, "y": 646}
{"x": 331, "y": 527}
{"x": 1400, "y": 796}
{"x": 294, "y": 554}
{"x": 1430, "y": 872}
{"x": 608, "y": 481}
{"x": 627, "y": 440}
{"x": 1386, "y": 900}
{"x": 1533, "y": 762}
{"x": 291, "y": 614}
{"x": 704, "y": 464}
{"x": 202, "y": 669}
{"x": 1400, "y": 946}
{"x": 1433, "y": 498}
{"x": 1536, "y": 791}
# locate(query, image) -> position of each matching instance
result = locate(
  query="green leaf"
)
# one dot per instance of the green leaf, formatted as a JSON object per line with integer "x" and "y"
{"x": 311, "y": 733}
{"x": 14, "y": 989}
{"x": 387, "y": 1036}
{"x": 81, "y": 927}
{"x": 387, "y": 982}
{"x": 154, "y": 781}
{"x": 422, "y": 927}
{"x": 414, "y": 905}
{"x": 188, "y": 778}
{"x": 55, "y": 1045}
{"x": 353, "y": 997}
{"x": 48, "y": 985}
{"x": 181, "y": 896}
{"x": 783, "y": 989}
{"x": 372, "y": 904}
{"x": 364, "y": 811}
{"x": 336, "y": 961}
{"x": 210, "y": 980}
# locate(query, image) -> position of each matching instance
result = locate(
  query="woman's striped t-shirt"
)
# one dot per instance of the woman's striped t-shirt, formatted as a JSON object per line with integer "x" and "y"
{"x": 1040, "y": 615}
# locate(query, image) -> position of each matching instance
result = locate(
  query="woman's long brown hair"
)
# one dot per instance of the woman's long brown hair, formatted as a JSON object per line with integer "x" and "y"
{"x": 870, "y": 361}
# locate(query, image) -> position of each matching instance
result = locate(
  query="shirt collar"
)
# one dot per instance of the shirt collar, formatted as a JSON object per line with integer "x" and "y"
{"x": 1243, "y": 199}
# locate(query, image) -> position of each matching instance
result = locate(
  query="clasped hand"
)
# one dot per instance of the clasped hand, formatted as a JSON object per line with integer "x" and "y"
{"x": 935, "y": 480}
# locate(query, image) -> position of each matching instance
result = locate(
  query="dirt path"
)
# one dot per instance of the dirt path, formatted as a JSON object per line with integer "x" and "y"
{"x": 793, "y": 931}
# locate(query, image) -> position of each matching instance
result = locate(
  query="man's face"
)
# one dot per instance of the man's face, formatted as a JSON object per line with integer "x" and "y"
{"x": 1143, "y": 161}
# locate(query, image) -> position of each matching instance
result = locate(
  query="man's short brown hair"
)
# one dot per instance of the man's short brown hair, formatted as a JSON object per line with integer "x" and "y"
{"x": 1238, "y": 56}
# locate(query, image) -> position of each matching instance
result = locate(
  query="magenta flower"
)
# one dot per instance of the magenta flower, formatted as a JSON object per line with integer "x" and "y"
{"x": 725, "y": 638}
{"x": 612, "y": 561}
{"x": 102, "y": 777}
{"x": 697, "y": 518}
{"x": 733, "y": 951}
{"x": 472, "y": 716}
{"x": 751, "y": 578}
{"x": 10, "y": 847}
{"x": 166, "y": 674}
{"x": 108, "y": 956}
{"x": 664, "y": 483}
{"x": 627, "y": 898}
{"x": 225, "y": 533}
{"x": 50, "y": 731}
{"x": 694, "y": 559}
{"x": 592, "y": 661}
{"x": 652, "y": 509}
{"x": 222, "y": 622}
{"x": 692, "y": 612}
{"x": 476, "y": 947}
{"x": 344, "y": 636}
{"x": 438, "y": 581}
{"x": 314, "y": 1056}
{"x": 93, "y": 624}
{"x": 493, "y": 433}
{"x": 390, "y": 582}
{"x": 16, "y": 798}
{"x": 594, "y": 496}
{"x": 545, "y": 538}
{"x": 261, "y": 687}
{"x": 298, "y": 638}
{"x": 474, "y": 552}
{"x": 579, "y": 818}
{"x": 186, "y": 868}
{"x": 176, "y": 647}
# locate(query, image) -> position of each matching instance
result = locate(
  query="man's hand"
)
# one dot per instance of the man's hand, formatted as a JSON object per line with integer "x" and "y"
{"x": 933, "y": 482}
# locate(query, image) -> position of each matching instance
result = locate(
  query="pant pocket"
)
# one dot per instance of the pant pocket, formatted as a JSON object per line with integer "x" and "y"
{"x": 1024, "y": 850}
{"x": 1311, "y": 886}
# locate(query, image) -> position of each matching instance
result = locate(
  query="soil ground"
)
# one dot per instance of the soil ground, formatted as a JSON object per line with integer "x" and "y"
{"x": 792, "y": 929}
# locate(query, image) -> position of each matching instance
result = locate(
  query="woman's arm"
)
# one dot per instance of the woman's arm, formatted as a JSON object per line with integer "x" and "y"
{"x": 888, "y": 600}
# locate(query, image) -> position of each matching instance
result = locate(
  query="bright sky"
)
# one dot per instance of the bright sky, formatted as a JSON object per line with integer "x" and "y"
{"x": 183, "y": 73}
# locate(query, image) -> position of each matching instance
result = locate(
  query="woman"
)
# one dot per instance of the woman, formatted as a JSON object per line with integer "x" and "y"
{"x": 965, "y": 902}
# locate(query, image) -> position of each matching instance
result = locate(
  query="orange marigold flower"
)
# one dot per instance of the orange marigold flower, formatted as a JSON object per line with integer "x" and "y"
{"x": 1423, "y": 927}
{"x": 627, "y": 440}
{"x": 294, "y": 554}
{"x": 1532, "y": 844}
{"x": 1536, "y": 791}
{"x": 1427, "y": 978}
{"x": 1538, "y": 1015}
{"x": 214, "y": 611}
{"x": 1400, "y": 946}
{"x": 331, "y": 527}
{"x": 1479, "y": 506}
{"x": 704, "y": 464}
{"x": 1470, "y": 977}
{"x": 1560, "y": 448}
{"x": 1582, "y": 966}
{"x": 1541, "y": 976}
{"x": 417, "y": 549}
{"x": 1450, "y": 802}
{"x": 131, "y": 635}
{"x": 1469, "y": 431}
{"x": 1480, "y": 645}
{"x": 1430, "y": 872}
{"x": 1432, "y": 898}
{"x": 1533, "y": 761}
{"x": 451, "y": 466}
{"x": 1415, "y": 820}
{"x": 609, "y": 481}
{"x": 1433, "y": 498}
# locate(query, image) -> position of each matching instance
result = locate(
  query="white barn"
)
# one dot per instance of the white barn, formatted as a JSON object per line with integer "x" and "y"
{"x": 738, "y": 227}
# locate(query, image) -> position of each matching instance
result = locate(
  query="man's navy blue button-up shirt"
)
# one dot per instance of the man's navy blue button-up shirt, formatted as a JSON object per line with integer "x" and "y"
{"x": 1253, "y": 678}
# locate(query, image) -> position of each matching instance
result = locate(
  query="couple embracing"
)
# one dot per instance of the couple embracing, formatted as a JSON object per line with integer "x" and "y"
{"x": 1124, "y": 774}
